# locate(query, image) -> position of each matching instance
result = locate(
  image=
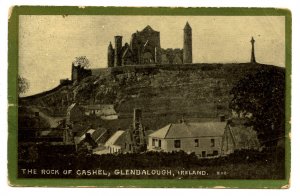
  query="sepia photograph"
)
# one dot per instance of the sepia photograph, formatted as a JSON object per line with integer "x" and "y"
{"x": 152, "y": 96}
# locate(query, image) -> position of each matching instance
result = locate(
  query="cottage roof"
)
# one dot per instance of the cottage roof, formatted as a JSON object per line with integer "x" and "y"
{"x": 105, "y": 109}
{"x": 184, "y": 130}
{"x": 82, "y": 137}
{"x": 96, "y": 134}
{"x": 71, "y": 107}
{"x": 114, "y": 138}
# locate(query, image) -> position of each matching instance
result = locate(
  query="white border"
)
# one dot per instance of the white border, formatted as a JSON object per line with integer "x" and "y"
{"x": 293, "y": 5}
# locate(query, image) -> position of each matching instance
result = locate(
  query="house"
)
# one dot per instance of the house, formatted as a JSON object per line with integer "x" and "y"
{"x": 115, "y": 143}
{"x": 105, "y": 111}
{"x": 91, "y": 137}
{"x": 205, "y": 139}
{"x": 75, "y": 113}
{"x": 237, "y": 136}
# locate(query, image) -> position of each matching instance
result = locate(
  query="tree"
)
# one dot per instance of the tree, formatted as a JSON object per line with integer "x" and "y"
{"x": 82, "y": 61}
{"x": 23, "y": 85}
{"x": 262, "y": 96}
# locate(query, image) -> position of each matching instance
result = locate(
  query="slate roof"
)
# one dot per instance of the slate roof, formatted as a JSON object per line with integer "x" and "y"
{"x": 114, "y": 138}
{"x": 106, "y": 109}
{"x": 96, "y": 134}
{"x": 186, "y": 130}
{"x": 71, "y": 107}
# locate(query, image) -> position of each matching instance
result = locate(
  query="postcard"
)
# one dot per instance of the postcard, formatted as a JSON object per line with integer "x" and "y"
{"x": 149, "y": 97}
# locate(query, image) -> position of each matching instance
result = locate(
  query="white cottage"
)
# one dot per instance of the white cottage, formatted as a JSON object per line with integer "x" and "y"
{"x": 105, "y": 111}
{"x": 205, "y": 139}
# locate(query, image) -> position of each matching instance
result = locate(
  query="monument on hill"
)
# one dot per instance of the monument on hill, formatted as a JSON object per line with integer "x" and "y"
{"x": 144, "y": 48}
{"x": 252, "y": 51}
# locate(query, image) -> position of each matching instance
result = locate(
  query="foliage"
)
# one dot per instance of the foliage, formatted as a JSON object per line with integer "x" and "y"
{"x": 260, "y": 96}
{"x": 82, "y": 61}
{"x": 23, "y": 85}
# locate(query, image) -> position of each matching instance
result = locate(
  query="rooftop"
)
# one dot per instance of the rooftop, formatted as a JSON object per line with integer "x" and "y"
{"x": 185, "y": 130}
{"x": 114, "y": 138}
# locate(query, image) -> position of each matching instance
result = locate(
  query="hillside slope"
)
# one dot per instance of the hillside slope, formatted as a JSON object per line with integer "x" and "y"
{"x": 164, "y": 94}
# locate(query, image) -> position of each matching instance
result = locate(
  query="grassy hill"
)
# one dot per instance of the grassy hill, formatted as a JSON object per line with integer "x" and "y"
{"x": 165, "y": 93}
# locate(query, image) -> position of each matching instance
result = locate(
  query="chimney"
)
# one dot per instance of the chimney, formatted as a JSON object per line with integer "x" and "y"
{"x": 137, "y": 117}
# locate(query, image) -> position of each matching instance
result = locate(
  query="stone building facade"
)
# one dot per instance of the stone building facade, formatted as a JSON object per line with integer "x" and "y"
{"x": 145, "y": 48}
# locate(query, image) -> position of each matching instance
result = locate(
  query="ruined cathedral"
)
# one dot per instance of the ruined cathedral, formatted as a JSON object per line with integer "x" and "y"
{"x": 144, "y": 48}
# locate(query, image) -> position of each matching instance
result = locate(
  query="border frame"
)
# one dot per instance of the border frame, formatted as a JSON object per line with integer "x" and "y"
{"x": 13, "y": 43}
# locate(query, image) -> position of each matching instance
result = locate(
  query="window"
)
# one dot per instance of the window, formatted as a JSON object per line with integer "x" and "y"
{"x": 159, "y": 143}
{"x": 215, "y": 153}
{"x": 125, "y": 145}
{"x": 203, "y": 153}
{"x": 196, "y": 143}
{"x": 212, "y": 142}
{"x": 177, "y": 143}
{"x": 153, "y": 142}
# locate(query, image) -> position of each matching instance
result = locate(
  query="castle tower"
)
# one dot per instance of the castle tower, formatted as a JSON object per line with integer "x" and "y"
{"x": 74, "y": 73}
{"x": 252, "y": 51}
{"x": 187, "y": 44}
{"x": 118, "y": 51}
{"x": 110, "y": 55}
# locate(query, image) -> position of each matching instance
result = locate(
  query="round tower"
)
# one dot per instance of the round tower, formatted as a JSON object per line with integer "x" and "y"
{"x": 110, "y": 55}
{"x": 118, "y": 51}
{"x": 187, "y": 44}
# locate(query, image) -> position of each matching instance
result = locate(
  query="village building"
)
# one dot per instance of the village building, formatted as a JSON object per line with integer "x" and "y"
{"x": 104, "y": 111}
{"x": 115, "y": 143}
{"x": 75, "y": 114}
{"x": 205, "y": 139}
{"x": 131, "y": 140}
{"x": 238, "y": 136}
{"x": 91, "y": 138}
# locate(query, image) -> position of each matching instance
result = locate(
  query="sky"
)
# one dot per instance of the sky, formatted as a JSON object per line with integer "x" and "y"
{"x": 49, "y": 44}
